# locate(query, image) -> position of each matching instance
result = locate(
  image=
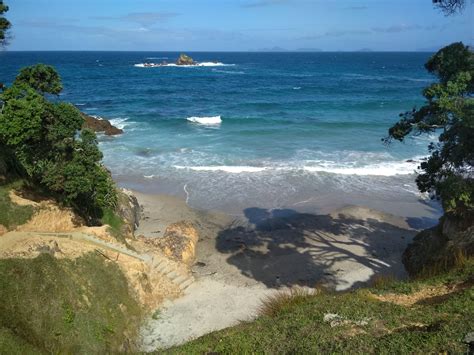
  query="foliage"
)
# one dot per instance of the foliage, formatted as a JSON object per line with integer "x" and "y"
{"x": 115, "y": 224}
{"x": 4, "y": 24}
{"x": 43, "y": 78}
{"x": 449, "y": 110}
{"x": 450, "y": 7}
{"x": 435, "y": 324}
{"x": 62, "y": 306}
{"x": 48, "y": 146}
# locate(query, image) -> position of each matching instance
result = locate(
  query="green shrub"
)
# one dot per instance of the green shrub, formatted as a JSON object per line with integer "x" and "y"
{"x": 47, "y": 146}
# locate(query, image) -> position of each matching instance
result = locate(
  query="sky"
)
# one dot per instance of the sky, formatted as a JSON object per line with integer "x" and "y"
{"x": 235, "y": 25}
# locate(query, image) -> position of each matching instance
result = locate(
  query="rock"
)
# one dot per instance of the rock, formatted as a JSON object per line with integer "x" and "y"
{"x": 185, "y": 60}
{"x": 440, "y": 246}
{"x": 129, "y": 210}
{"x": 179, "y": 242}
{"x": 469, "y": 340}
{"x": 100, "y": 125}
{"x": 336, "y": 320}
{"x": 51, "y": 247}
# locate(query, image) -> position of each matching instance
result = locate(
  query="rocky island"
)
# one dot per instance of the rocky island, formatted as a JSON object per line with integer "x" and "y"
{"x": 183, "y": 60}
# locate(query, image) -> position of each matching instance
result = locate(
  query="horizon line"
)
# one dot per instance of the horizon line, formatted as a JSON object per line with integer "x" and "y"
{"x": 221, "y": 51}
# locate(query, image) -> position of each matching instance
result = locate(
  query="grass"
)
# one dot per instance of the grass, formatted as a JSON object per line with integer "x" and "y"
{"x": 115, "y": 224}
{"x": 50, "y": 305}
{"x": 12, "y": 215}
{"x": 297, "y": 325}
{"x": 277, "y": 303}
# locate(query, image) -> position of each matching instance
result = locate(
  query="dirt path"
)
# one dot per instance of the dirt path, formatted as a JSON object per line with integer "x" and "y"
{"x": 9, "y": 240}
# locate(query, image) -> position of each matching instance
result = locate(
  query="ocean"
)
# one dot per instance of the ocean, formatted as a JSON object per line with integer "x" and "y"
{"x": 294, "y": 131}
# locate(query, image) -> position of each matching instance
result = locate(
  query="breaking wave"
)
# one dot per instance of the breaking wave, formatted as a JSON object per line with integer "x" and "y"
{"x": 215, "y": 120}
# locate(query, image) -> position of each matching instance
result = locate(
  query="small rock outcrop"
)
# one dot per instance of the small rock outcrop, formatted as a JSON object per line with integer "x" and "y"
{"x": 185, "y": 60}
{"x": 100, "y": 125}
{"x": 129, "y": 210}
{"x": 178, "y": 242}
{"x": 440, "y": 246}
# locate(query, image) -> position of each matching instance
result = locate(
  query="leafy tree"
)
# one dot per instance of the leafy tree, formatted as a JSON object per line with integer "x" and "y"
{"x": 46, "y": 144}
{"x": 43, "y": 78}
{"x": 449, "y": 110}
{"x": 450, "y": 7}
{"x": 4, "y": 24}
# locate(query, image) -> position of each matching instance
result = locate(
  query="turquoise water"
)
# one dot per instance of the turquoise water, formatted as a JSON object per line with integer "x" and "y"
{"x": 267, "y": 129}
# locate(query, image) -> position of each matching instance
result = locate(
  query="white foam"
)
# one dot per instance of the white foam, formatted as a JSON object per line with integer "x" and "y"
{"x": 214, "y": 64}
{"x": 215, "y": 120}
{"x": 382, "y": 169}
{"x": 225, "y": 168}
{"x": 118, "y": 122}
{"x": 297, "y": 88}
{"x": 228, "y": 72}
{"x": 203, "y": 64}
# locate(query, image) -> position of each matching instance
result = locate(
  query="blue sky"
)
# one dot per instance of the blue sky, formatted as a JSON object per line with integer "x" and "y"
{"x": 234, "y": 25}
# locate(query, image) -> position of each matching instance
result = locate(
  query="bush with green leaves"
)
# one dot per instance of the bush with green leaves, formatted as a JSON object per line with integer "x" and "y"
{"x": 4, "y": 23}
{"x": 449, "y": 109}
{"x": 45, "y": 143}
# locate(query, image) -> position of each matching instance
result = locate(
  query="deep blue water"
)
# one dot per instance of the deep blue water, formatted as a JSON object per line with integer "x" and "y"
{"x": 291, "y": 122}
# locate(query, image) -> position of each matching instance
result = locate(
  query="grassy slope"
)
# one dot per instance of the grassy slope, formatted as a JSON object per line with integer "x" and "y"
{"x": 65, "y": 306}
{"x": 115, "y": 224}
{"x": 12, "y": 215}
{"x": 297, "y": 326}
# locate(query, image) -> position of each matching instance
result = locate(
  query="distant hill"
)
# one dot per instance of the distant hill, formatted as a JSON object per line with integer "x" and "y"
{"x": 280, "y": 49}
{"x": 309, "y": 50}
{"x": 272, "y": 49}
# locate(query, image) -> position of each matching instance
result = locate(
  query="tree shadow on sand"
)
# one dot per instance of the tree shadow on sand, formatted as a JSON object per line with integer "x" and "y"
{"x": 285, "y": 248}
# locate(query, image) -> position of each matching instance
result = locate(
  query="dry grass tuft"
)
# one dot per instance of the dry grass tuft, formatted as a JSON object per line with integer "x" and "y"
{"x": 457, "y": 259}
{"x": 274, "y": 304}
{"x": 382, "y": 281}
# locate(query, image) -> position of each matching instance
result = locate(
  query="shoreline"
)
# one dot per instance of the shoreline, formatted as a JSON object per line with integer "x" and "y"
{"x": 325, "y": 196}
{"x": 241, "y": 260}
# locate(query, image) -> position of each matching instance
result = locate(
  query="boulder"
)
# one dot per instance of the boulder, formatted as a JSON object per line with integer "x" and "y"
{"x": 129, "y": 210}
{"x": 440, "y": 246}
{"x": 185, "y": 60}
{"x": 179, "y": 242}
{"x": 100, "y": 125}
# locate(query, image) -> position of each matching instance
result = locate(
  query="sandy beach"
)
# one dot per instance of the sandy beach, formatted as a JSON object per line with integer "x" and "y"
{"x": 241, "y": 259}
